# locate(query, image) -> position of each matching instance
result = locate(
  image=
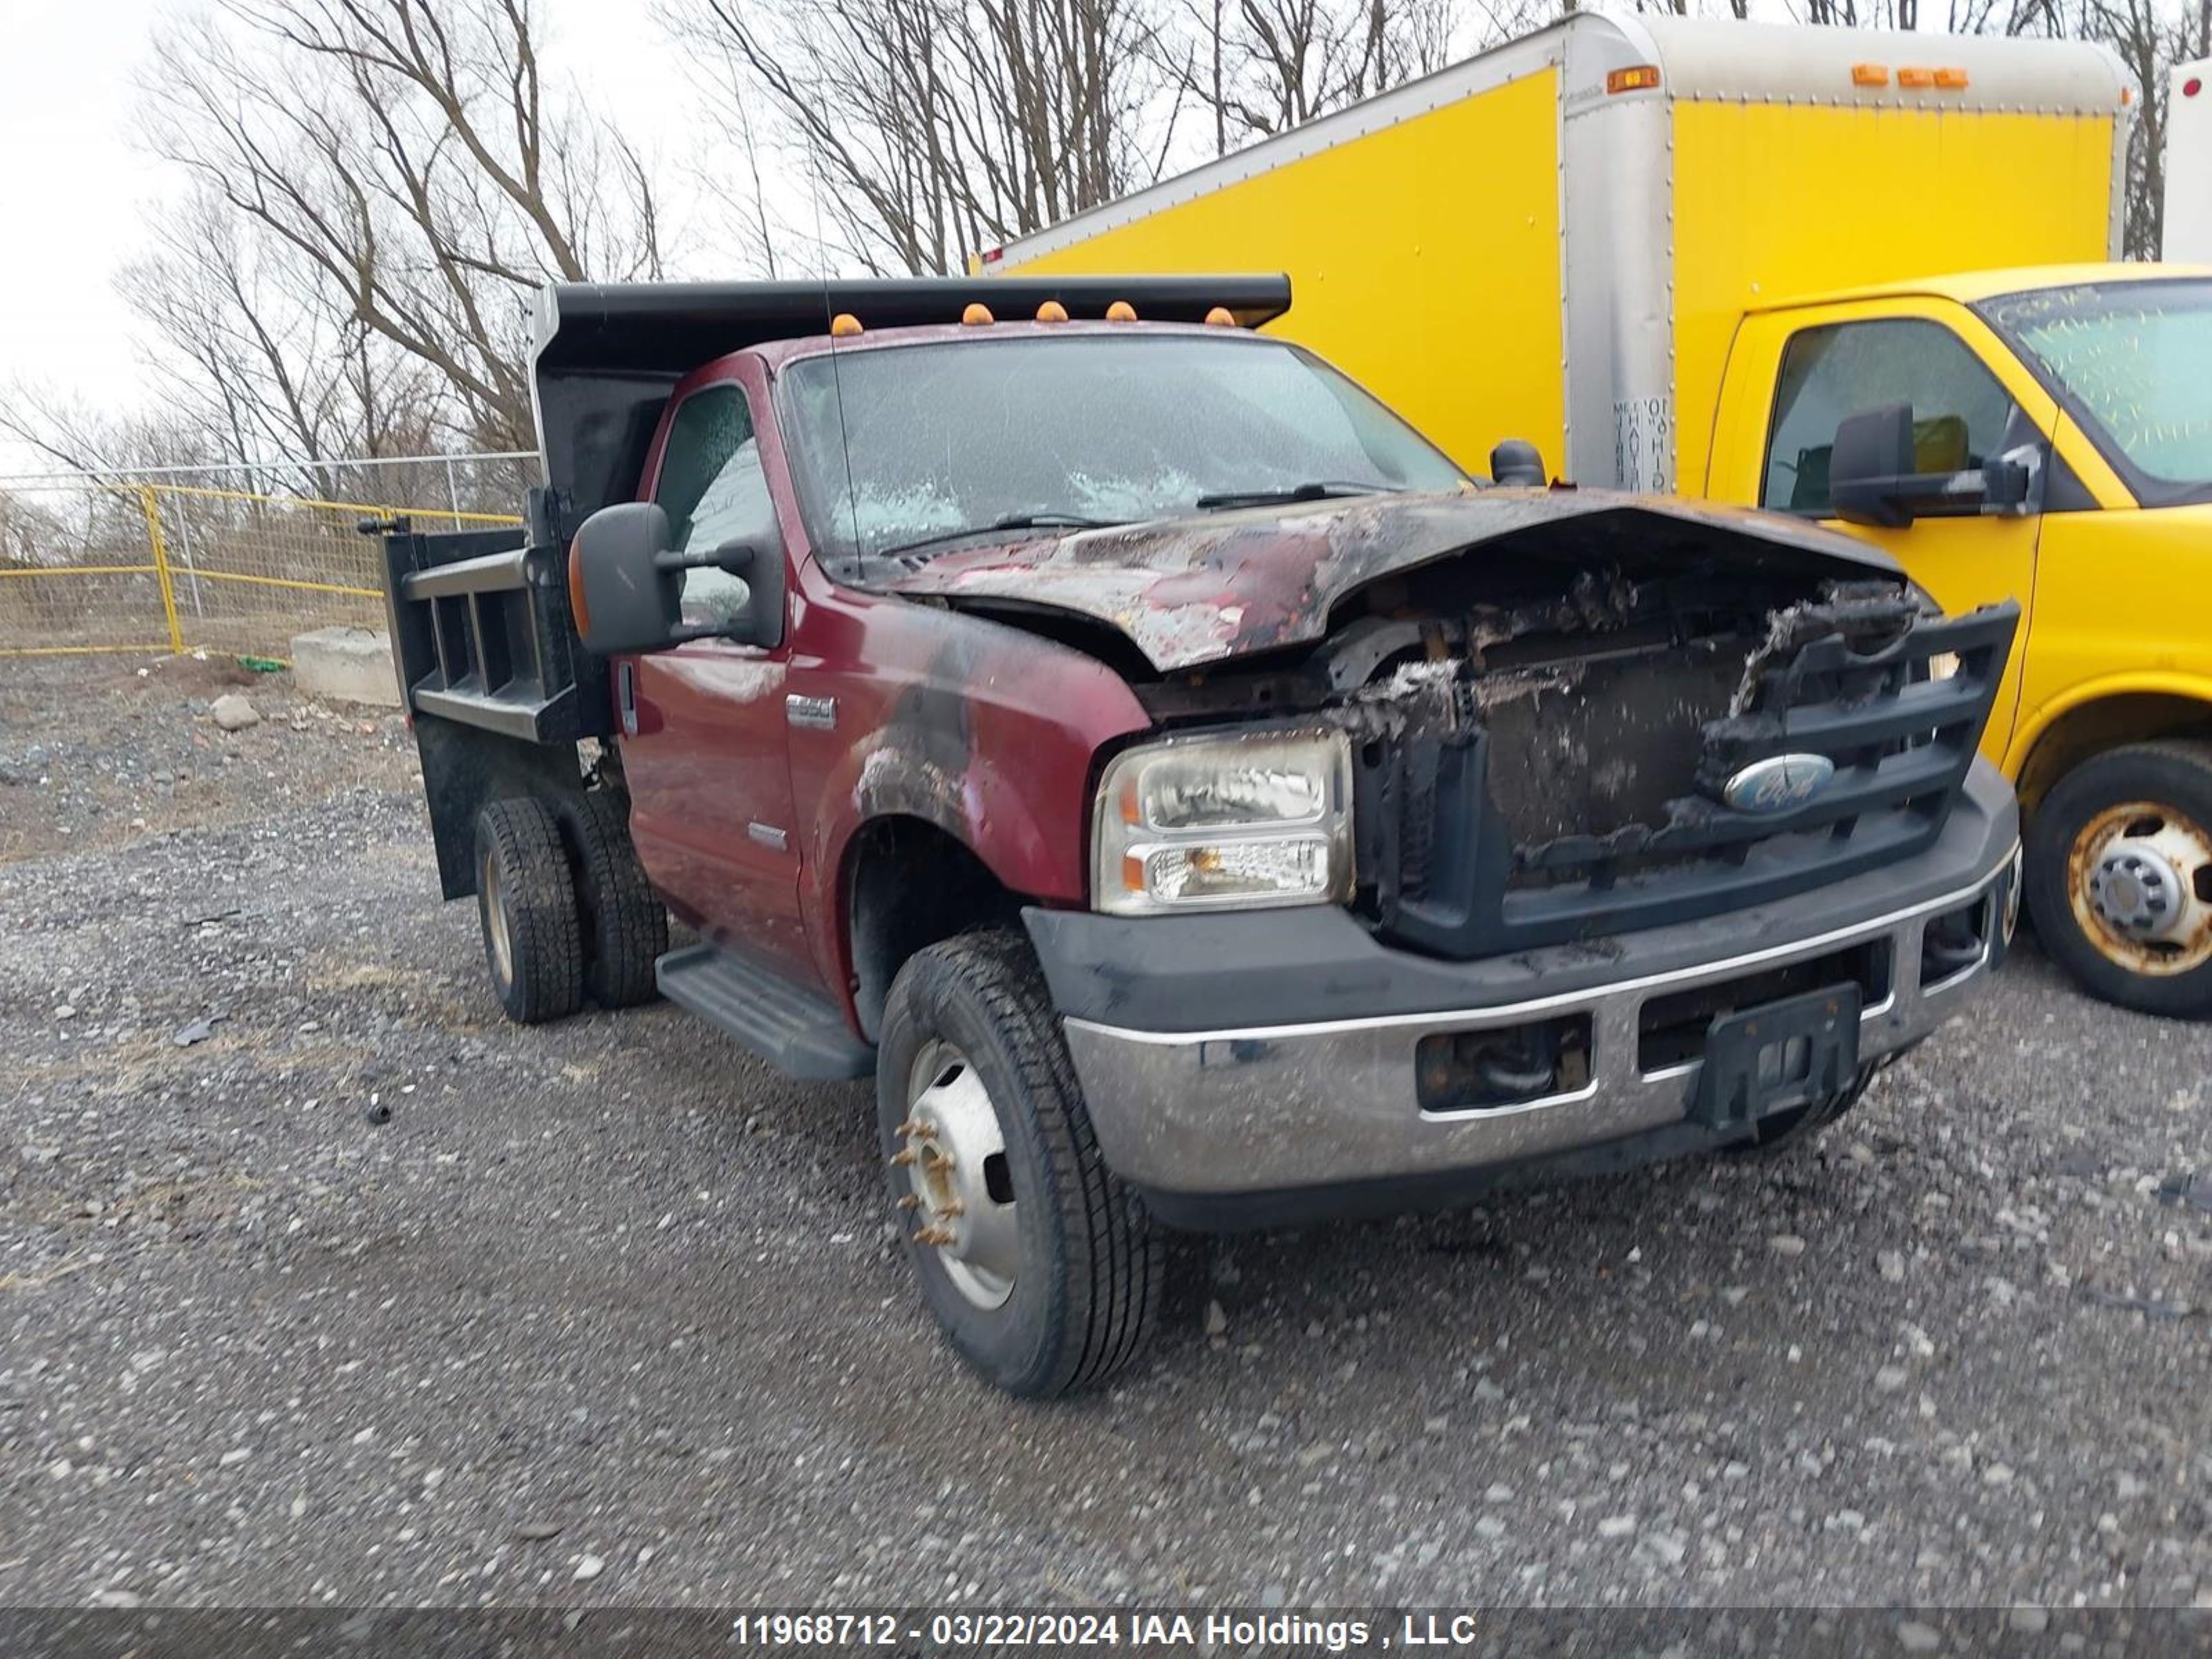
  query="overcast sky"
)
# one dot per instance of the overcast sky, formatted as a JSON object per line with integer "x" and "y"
{"x": 78, "y": 200}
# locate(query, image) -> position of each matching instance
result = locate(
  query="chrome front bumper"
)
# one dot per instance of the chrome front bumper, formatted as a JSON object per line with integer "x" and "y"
{"x": 1263, "y": 1108}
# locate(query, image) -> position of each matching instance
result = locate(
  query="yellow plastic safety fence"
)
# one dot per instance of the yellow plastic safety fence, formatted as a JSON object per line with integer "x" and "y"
{"x": 103, "y": 565}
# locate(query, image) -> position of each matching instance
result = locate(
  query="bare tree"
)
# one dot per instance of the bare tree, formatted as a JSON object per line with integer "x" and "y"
{"x": 930, "y": 130}
{"x": 408, "y": 153}
{"x": 2150, "y": 39}
{"x": 1261, "y": 67}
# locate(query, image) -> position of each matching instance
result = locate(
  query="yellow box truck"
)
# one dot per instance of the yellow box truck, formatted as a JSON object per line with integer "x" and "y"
{"x": 1710, "y": 257}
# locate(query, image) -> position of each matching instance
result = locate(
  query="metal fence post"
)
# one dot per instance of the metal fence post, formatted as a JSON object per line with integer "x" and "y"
{"x": 452, "y": 492}
{"x": 152, "y": 508}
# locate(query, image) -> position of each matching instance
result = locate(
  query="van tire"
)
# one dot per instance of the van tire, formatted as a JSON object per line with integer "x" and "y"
{"x": 2174, "y": 777}
{"x": 625, "y": 925}
{"x": 1090, "y": 1269}
{"x": 527, "y": 905}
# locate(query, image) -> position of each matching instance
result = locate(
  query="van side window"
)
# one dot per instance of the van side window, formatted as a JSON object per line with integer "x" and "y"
{"x": 713, "y": 490}
{"x": 1960, "y": 410}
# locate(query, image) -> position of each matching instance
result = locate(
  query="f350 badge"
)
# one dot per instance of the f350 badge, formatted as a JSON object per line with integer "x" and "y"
{"x": 1777, "y": 783}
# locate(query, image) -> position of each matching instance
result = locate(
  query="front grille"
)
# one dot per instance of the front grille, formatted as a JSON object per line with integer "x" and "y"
{"x": 1597, "y": 807}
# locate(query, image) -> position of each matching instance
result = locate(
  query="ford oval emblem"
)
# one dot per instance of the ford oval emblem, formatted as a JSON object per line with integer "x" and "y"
{"x": 1778, "y": 783}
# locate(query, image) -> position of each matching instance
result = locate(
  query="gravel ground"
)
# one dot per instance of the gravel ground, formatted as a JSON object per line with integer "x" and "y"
{"x": 607, "y": 1312}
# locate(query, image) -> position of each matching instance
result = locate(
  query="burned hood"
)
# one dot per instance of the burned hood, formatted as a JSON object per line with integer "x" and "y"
{"x": 1188, "y": 592}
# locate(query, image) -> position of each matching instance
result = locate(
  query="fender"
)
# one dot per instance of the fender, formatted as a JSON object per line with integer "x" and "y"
{"x": 2188, "y": 687}
{"x": 982, "y": 729}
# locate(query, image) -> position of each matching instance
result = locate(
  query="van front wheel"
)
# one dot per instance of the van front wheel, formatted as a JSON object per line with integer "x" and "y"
{"x": 2119, "y": 876}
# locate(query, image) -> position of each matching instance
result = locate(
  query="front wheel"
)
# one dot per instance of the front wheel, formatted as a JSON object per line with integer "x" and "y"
{"x": 2119, "y": 876}
{"x": 1041, "y": 1266}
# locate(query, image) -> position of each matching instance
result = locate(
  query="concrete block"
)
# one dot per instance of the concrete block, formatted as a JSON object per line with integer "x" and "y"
{"x": 351, "y": 664}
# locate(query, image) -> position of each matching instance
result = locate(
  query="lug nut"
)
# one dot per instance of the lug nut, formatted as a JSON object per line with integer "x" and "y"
{"x": 904, "y": 1156}
{"x": 952, "y": 1208}
{"x": 937, "y": 1162}
{"x": 911, "y": 1201}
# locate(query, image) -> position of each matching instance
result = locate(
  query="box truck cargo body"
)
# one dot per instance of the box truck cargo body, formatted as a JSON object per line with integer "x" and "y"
{"x": 2188, "y": 237}
{"x": 1556, "y": 239}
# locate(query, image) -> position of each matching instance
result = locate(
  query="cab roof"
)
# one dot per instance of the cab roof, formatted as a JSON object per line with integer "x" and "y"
{"x": 1970, "y": 287}
{"x": 608, "y": 354}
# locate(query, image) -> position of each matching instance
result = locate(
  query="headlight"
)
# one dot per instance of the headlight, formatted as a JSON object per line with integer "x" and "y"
{"x": 1221, "y": 821}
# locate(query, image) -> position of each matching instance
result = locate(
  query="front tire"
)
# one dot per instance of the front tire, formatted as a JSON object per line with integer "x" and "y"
{"x": 1041, "y": 1268}
{"x": 527, "y": 903}
{"x": 2119, "y": 876}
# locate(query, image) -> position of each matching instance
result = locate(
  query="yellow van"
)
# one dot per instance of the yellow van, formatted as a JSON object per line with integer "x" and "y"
{"x": 1692, "y": 256}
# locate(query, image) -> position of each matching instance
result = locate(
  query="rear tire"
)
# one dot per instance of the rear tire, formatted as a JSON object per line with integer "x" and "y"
{"x": 2119, "y": 876}
{"x": 1044, "y": 1271}
{"x": 625, "y": 928}
{"x": 527, "y": 903}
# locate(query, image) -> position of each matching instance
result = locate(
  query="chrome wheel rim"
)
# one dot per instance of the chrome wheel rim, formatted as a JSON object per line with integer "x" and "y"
{"x": 958, "y": 1182}
{"x": 2140, "y": 878}
{"x": 495, "y": 933}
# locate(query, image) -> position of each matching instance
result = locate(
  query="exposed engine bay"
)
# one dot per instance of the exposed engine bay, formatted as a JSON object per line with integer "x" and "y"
{"x": 1529, "y": 762}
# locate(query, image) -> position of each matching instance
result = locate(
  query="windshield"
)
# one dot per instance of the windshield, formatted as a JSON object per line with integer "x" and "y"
{"x": 2132, "y": 360}
{"x": 965, "y": 435}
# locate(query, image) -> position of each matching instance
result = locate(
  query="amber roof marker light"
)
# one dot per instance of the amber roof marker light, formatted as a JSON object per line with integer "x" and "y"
{"x": 1639, "y": 77}
{"x": 977, "y": 315}
{"x": 1220, "y": 316}
{"x": 1869, "y": 75}
{"x": 1052, "y": 312}
{"x": 844, "y": 325}
{"x": 1120, "y": 312}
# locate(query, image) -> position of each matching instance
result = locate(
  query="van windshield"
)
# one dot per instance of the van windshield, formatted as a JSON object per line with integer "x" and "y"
{"x": 906, "y": 451}
{"x": 2133, "y": 362}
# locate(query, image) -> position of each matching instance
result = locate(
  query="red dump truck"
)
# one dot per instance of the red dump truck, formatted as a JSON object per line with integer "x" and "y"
{"x": 1194, "y": 800}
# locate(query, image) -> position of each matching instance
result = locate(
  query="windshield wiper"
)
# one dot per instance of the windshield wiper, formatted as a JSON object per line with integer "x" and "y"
{"x": 1010, "y": 521}
{"x": 1320, "y": 491}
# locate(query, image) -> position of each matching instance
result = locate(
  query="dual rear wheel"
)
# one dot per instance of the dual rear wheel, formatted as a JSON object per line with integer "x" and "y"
{"x": 566, "y": 909}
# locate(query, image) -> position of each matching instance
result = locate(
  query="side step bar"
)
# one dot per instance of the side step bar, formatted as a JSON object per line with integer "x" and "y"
{"x": 791, "y": 1028}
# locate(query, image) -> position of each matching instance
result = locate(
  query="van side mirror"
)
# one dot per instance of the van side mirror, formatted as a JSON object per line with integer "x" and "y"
{"x": 1874, "y": 476}
{"x": 626, "y": 584}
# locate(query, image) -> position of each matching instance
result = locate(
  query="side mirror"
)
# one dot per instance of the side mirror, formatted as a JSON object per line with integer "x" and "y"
{"x": 626, "y": 584}
{"x": 1874, "y": 476}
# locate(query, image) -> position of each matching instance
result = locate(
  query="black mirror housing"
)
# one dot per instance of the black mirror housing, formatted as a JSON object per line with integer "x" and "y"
{"x": 1872, "y": 480}
{"x": 625, "y": 588}
{"x": 1873, "y": 455}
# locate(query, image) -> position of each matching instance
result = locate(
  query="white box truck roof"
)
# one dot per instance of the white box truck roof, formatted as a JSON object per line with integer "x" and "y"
{"x": 1563, "y": 231}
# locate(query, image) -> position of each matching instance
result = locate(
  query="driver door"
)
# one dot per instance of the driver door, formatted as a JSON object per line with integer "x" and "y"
{"x": 703, "y": 725}
{"x": 1970, "y": 401}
